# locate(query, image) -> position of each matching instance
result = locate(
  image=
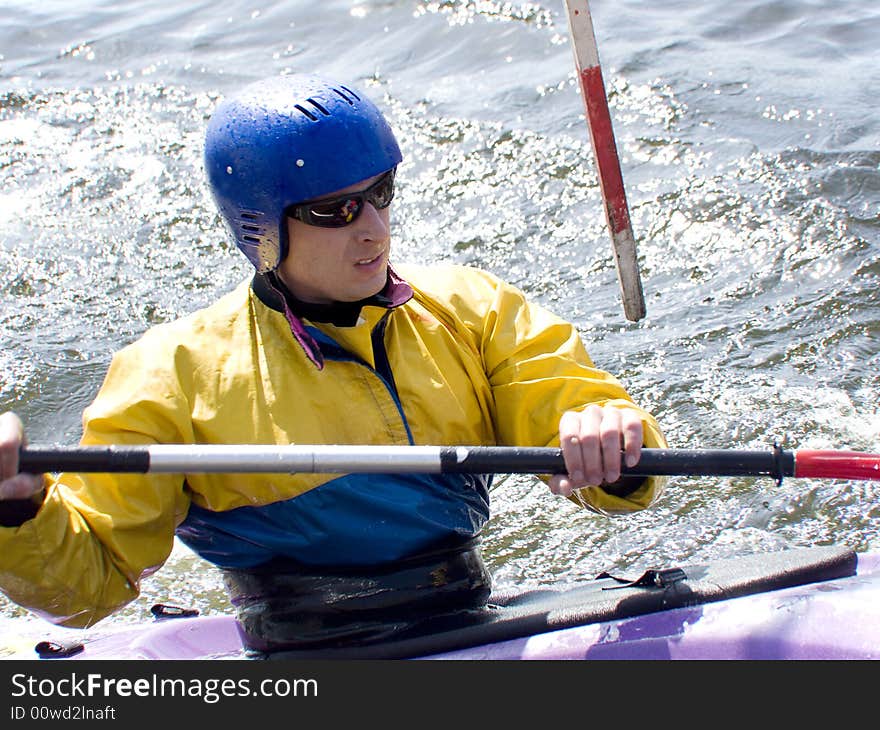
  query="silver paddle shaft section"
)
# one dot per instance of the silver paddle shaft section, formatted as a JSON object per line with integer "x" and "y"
{"x": 294, "y": 459}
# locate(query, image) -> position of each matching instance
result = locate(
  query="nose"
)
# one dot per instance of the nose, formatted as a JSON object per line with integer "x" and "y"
{"x": 373, "y": 224}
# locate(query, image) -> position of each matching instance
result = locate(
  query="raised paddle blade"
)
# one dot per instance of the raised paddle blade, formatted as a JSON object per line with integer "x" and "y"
{"x": 586, "y": 56}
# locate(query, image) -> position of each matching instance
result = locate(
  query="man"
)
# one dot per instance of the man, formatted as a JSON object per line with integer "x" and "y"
{"x": 327, "y": 344}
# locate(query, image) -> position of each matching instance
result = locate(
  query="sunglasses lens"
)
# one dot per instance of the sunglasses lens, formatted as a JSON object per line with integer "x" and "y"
{"x": 382, "y": 192}
{"x": 335, "y": 213}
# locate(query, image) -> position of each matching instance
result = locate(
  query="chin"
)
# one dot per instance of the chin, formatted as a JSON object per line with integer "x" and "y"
{"x": 375, "y": 285}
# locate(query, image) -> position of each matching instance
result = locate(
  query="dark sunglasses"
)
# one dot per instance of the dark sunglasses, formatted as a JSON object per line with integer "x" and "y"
{"x": 340, "y": 211}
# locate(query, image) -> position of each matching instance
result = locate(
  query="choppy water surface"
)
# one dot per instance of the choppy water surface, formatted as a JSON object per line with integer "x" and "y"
{"x": 751, "y": 155}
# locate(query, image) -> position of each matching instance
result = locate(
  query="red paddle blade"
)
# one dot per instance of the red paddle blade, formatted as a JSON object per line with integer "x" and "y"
{"x": 837, "y": 465}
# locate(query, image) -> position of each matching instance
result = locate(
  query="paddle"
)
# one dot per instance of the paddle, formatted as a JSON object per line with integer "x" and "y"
{"x": 586, "y": 57}
{"x": 181, "y": 458}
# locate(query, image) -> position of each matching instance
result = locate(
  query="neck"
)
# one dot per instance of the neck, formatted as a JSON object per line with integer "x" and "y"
{"x": 273, "y": 293}
{"x": 341, "y": 314}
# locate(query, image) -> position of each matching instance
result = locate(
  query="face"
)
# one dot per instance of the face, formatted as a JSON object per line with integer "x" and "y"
{"x": 325, "y": 265}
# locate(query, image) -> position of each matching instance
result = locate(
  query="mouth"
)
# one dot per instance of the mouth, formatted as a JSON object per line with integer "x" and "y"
{"x": 370, "y": 261}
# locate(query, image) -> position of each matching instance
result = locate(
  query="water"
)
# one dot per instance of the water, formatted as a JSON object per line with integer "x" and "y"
{"x": 750, "y": 148}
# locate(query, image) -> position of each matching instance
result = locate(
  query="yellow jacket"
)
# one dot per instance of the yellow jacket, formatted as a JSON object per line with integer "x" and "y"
{"x": 466, "y": 360}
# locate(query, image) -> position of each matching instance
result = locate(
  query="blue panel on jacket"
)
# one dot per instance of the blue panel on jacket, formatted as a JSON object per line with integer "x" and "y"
{"x": 356, "y": 520}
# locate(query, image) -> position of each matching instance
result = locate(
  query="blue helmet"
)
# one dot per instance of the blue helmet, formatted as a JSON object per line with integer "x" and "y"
{"x": 287, "y": 140}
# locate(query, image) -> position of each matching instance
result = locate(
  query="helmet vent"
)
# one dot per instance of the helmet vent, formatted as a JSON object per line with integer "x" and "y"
{"x": 251, "y": 230}
{"x": 305, "y": 111}
{"x": 318, "y": 107}
{"x": 347, "y": 94}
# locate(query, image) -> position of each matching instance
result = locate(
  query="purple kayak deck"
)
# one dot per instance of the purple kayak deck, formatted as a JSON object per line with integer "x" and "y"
{"x": 831, "y": 619}
{"x": 838, "y": 619}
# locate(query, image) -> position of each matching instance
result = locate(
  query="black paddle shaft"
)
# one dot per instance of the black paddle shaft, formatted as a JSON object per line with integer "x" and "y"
{"x": 653, "y": 462}
{"x": 93, "y": 459}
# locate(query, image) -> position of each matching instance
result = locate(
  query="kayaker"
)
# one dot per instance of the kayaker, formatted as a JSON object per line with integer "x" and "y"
{"x": 327, "y": 343}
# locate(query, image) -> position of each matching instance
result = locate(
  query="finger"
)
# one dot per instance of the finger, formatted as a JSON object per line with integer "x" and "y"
{"x": 611, "y": 438}
{"x": 10, "y": 441}
{"x": 633, "y": 436}
{"x": 21, "y": 486}
{"x": 590, "y": 422}
{"x": 10, "y": 426}
{"x": 561, "y": 485}
{"x": 8, "y": 467}
{"x": 570, "y": 443}
{"x": 11, "y": 430}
